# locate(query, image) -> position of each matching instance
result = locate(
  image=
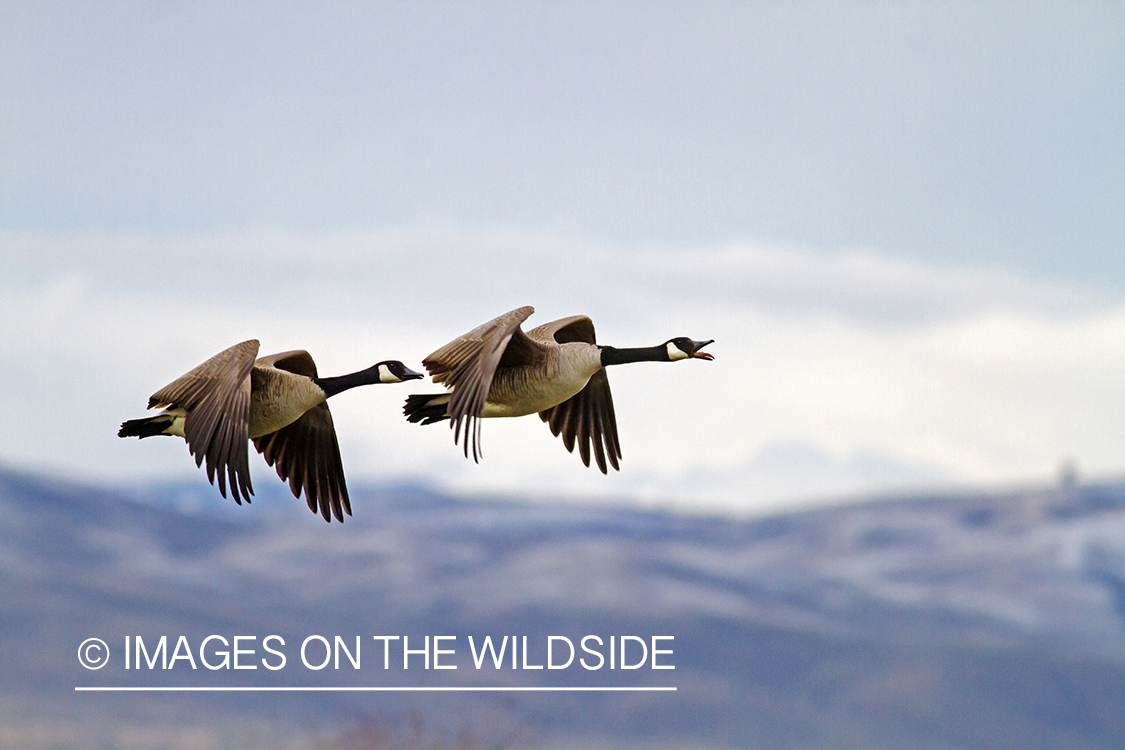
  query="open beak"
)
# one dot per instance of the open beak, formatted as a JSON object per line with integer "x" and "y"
{"x": 697, "y": 345}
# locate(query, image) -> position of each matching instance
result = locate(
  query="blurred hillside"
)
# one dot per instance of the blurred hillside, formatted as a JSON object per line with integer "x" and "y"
{"x": 945, "y": 622}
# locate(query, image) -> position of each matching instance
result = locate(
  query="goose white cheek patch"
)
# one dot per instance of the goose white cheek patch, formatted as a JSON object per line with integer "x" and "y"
{"x": 675, "y": 352}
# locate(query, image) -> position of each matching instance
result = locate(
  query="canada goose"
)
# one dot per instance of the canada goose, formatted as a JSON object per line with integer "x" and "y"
{"x": 557, "y": 369}
{"x": 278, "y": 402}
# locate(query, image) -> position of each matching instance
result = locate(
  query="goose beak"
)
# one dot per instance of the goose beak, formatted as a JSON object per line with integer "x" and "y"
{"x": 697, "y": 345}
{"x": 409, "y": 374}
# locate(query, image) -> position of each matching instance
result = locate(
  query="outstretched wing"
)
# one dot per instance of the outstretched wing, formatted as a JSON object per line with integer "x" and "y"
{"x": 564, "y": 330}
{"x": 297, "y": 361}
{"x": 306, "y": 453}
{"x": 216, "y": 397}
{"x": 587, "y": 417}
{"x": 468, "y": 363}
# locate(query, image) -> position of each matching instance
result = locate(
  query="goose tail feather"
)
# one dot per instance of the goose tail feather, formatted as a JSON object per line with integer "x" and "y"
{"x": 426, "y": 408}
{"x": 146, "y": 427}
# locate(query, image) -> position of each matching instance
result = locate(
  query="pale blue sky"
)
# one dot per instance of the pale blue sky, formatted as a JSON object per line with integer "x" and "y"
{"x": 903, "y": 223}
{"x": 958, "y": 133}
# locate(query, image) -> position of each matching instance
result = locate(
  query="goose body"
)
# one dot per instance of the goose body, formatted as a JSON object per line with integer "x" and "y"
{"x": 556, "y": 370}
{"x": 279, "y": 403}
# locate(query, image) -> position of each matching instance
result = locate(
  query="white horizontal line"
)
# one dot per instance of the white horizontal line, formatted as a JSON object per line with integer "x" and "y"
{"x": 167, "y": 689}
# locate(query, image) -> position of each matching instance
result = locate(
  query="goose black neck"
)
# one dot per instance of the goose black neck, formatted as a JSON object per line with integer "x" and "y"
{"x": 614, "y": 356}
{"x": 332, "y": 386}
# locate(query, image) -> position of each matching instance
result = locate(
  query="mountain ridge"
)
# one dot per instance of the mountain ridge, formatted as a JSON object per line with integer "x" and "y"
{"x": 966, "y": 621}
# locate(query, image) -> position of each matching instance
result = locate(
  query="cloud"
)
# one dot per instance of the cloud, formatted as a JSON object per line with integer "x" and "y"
{"x": 875, "y": 373}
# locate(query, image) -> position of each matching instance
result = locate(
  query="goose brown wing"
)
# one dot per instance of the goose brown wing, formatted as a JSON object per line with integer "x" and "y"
{"x": 564, "y": 330}
{"x": 468, "y": 363}
{"x": 297, "y": 361}
{"x": 306, "y": 453}
{"x": 216, "y": 398}
{"x": 587, "y": 418}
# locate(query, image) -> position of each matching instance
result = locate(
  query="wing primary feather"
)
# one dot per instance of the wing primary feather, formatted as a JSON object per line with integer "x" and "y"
{"x": 223, "y": 455}
{"x": 584, "y": 422}
{"x": 599, "y": 436}
{"x": 571, "y": 434}
{"x": 313, "y": 484}
{"x": 477, "y": 454}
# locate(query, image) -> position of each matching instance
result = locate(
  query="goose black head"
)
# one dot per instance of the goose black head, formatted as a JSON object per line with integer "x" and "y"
{"x": 684, "y": 348}
{"x": 393, "y": 371}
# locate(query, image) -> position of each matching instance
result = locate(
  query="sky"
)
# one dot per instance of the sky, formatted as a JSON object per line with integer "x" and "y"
{"x": 902, "y": 224}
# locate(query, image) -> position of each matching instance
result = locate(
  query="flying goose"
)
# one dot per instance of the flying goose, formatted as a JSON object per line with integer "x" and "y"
{"x": 278, "y": 402}
{"x": 557, "y": 370}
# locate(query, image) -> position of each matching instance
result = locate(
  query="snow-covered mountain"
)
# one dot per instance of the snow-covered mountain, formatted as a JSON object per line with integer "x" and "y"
{"x": 962, "y": 621}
